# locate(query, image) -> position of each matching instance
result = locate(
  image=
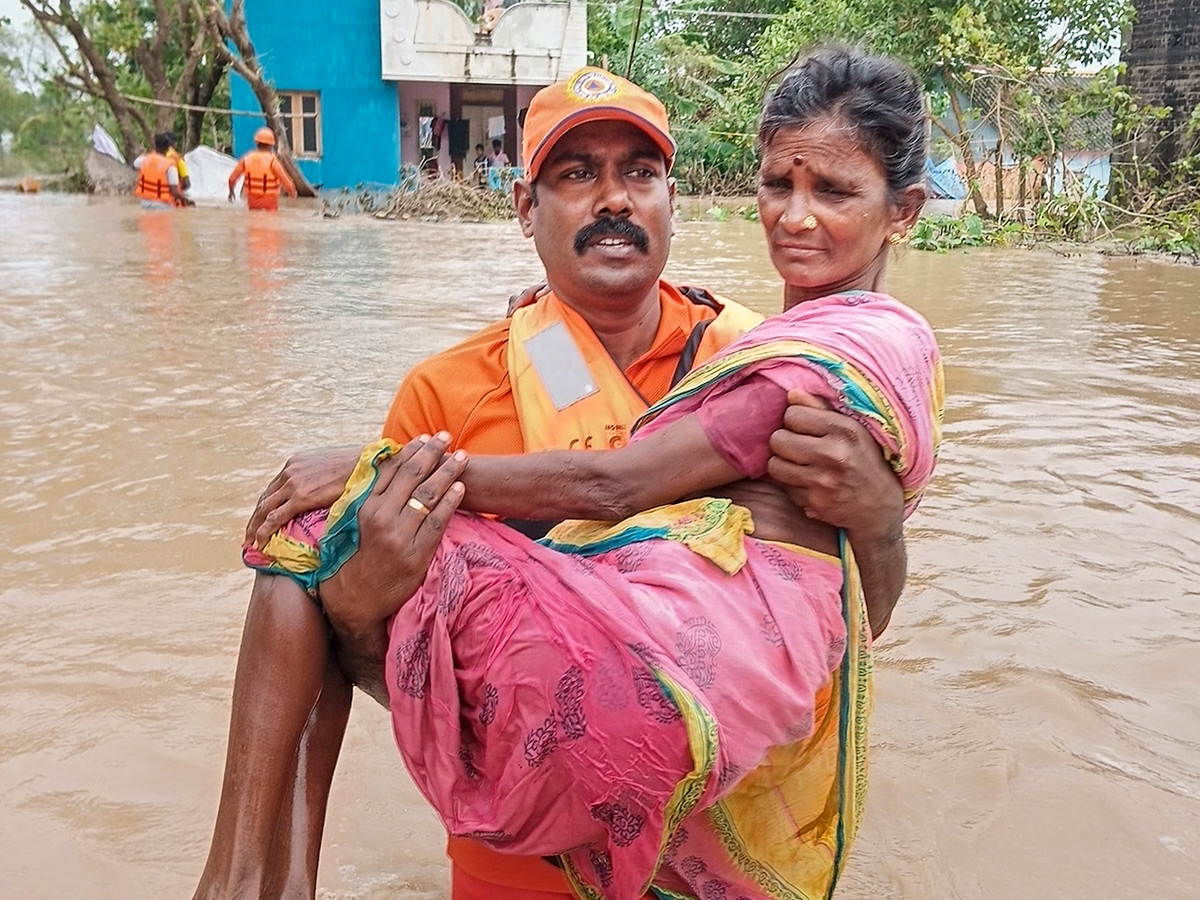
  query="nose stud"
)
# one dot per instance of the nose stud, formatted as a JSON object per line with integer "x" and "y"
{"x": 810, "y": 223}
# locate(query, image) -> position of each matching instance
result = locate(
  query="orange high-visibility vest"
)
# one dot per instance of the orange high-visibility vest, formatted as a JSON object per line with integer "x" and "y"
{"x": 152, "y": 178}
{"x": 260, "y": 174}
{"x": 569, "y": 392}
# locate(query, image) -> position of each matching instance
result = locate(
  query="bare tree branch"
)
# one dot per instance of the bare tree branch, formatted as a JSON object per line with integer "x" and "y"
{"x": 232, "y": 29}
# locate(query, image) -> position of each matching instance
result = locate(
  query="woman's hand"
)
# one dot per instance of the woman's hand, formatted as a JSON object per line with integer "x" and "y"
{"x": 306, "y": 482}
{"x": 400, "y": 525}
{"x": 834, "y": 471}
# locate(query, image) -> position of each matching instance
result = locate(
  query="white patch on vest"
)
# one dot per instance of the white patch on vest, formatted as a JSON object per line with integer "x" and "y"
{"x": 560, "y": 366}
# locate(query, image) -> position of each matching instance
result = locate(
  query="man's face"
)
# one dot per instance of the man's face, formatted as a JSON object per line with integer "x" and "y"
{"x": 604, "y": 214}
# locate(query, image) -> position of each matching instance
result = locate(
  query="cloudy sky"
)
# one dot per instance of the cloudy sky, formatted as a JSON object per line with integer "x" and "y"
{"x": 12, "y": 9}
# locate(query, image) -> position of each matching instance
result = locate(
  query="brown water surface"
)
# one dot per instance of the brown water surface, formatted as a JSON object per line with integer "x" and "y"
{"x": 1038, "y": 724}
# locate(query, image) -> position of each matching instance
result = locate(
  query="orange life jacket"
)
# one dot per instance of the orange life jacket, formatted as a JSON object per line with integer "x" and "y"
{"x": 152, "y": 178}
{"x": 568, "y": 391}
{"x": 260, "y": 174}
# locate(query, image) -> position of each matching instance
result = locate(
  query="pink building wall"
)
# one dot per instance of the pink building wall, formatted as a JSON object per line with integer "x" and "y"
{"x": 411, "y": 94}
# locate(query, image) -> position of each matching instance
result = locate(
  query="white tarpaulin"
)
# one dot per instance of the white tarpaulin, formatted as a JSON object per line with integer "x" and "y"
{"x": 209, "y": 170}
{"x": 103, "y": 142}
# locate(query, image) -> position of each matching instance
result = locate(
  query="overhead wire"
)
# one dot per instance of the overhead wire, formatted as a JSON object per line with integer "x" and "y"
{"x": 637, "y": 27}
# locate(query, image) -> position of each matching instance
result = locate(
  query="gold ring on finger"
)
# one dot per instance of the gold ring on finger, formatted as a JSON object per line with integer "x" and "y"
{"x": 414, "y": 503}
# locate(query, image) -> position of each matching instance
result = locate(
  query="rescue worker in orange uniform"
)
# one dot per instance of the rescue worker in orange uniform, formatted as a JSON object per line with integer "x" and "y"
{"x": 157, "y": 184}
{"x": 264, "y": 174}
{"x": 488, "y": 391}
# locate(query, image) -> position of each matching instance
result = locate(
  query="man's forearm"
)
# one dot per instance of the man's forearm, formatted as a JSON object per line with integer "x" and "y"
{"x": 883, "y": 566}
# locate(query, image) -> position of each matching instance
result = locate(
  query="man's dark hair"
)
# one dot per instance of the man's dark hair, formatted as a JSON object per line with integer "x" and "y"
{"x": 496, "y": 143}
{"x": 171, "y": 136}
{"x": 162, "y": 142}
{"x": 879, "y": 97}
{"x": 479, "y": 146}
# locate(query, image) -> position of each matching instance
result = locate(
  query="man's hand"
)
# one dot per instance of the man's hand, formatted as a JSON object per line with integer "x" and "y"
{"x": 400, "y": 526}
{"x": 232, "y": 198}
{"x": 527, "y": 297}
{"x": 306, "y": 482}
{"x": 834, "y": 471}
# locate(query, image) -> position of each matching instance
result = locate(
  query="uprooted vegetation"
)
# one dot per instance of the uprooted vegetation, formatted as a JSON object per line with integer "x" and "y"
{"x": 425, "y": 200}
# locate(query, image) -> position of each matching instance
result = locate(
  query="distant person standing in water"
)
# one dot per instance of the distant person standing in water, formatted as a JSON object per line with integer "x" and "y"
{"x": 173, "y": 154}
{"x": 157, "y": 183}
{"x": 264, "y": 174}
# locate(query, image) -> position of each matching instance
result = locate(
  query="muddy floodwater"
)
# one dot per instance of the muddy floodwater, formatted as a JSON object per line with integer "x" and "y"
{"x": 1037, "y": 729}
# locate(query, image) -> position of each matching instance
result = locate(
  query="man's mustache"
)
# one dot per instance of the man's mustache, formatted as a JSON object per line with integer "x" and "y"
{"x": 609, "y": 227}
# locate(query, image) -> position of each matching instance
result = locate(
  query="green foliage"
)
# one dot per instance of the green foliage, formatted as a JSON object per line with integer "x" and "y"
{"x": 1178, "y": 234}
{"x": 78, "y": 49}
{"x": 675, "y": 59}
{"x": 16, "y": 105}
{"x": 1073, "y": 217}
{"x": 944, "y": 233}
{"x": 977, "y": 60}
{"x": 41, "y": 124}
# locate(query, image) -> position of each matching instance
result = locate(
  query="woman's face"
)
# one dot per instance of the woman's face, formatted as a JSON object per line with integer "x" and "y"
{"x": 824, "y": 202}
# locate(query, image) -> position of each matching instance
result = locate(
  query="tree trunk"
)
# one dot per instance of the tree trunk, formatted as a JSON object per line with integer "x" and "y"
{"x": 175, "y": 28}
{"x": 232, "y": 29}
{"x": 999, "y": 178}
{"x": 202, "y": 94}
{"x": 962, "y": 139}
{"x": 89, "y": 73}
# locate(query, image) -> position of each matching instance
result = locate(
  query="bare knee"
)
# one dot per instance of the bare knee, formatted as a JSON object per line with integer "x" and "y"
{"x": 282, "y": 613}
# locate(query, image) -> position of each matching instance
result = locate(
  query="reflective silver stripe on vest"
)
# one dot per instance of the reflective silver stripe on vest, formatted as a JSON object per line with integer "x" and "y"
{"x": 560, "y": 366}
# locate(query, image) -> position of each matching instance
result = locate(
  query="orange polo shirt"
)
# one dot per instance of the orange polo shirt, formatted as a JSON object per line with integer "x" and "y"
{"x": 465, "y": 390}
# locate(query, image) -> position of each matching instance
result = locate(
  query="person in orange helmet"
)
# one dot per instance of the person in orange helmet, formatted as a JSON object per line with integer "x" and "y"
{"x": 263, "y": 172}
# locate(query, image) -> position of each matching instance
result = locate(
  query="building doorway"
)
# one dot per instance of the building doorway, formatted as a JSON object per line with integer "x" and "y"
{"x": 488, "y": 113}
{"x": 484, "y": 123}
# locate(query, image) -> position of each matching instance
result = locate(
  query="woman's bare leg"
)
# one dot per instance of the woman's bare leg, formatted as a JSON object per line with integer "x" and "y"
{"x": 281, "y": 670}
{"x": 297, "y": 844}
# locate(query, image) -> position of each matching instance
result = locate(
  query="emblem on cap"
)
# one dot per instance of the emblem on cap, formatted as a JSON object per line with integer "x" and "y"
{"x": 593, "y": 85}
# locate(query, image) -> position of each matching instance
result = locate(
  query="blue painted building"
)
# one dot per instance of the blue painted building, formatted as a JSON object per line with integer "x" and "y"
{"x": 369, "y": 86}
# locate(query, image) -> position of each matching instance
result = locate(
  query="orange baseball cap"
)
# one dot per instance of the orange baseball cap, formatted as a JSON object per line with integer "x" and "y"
{"x": 264, "y": 135}
{"x": 590, "y": 95}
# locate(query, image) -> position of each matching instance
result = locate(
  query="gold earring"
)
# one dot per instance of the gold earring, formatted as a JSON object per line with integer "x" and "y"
{"x": 895, "y": 239}
{"x": 810, "y": 223}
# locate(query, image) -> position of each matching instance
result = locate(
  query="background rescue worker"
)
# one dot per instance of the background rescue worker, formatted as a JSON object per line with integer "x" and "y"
{"x": 264, "y": 174}
{"x": 173, "y": 154}
{"x": 158, "y": 178}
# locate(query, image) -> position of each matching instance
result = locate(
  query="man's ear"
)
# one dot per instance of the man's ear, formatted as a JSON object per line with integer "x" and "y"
{"x": 523, "y": 201}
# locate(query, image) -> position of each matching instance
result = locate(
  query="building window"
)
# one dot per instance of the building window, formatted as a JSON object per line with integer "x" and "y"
{"x": 302, "y": 121}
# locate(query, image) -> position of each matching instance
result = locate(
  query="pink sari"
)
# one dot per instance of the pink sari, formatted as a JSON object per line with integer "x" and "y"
{"x": 666, "y": 703}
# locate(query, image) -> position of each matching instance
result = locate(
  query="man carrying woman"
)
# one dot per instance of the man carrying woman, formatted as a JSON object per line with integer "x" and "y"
{"x": 693, "y": 753}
